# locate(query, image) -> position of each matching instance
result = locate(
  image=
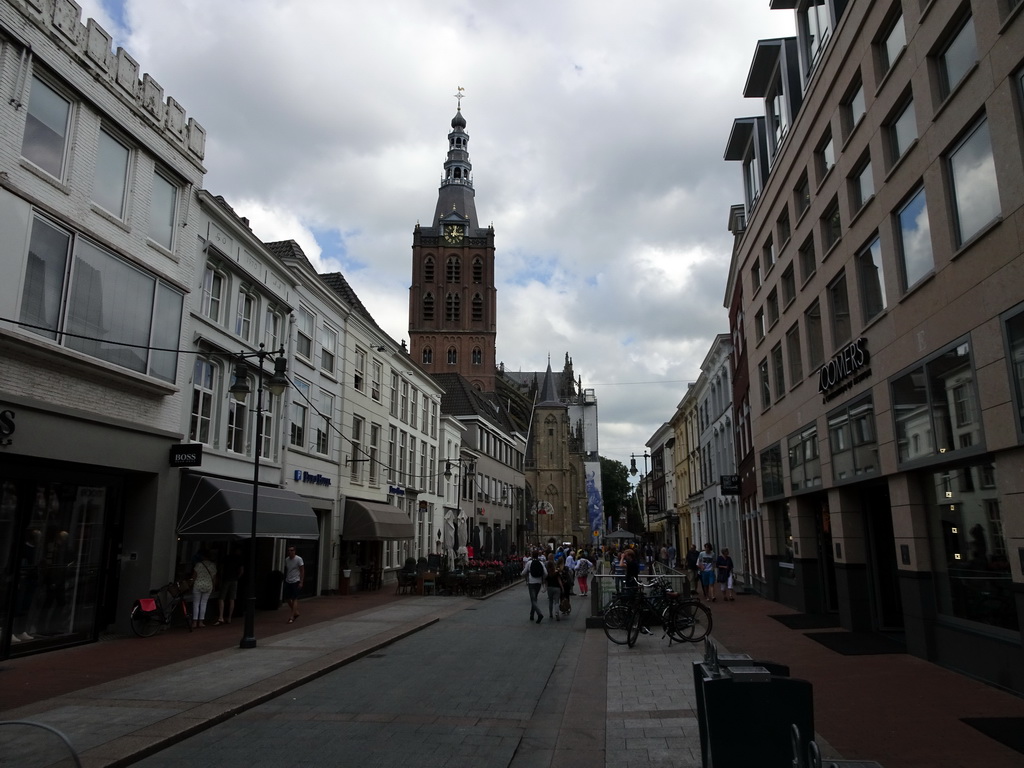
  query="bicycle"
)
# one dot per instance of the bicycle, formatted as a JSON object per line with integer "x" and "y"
{"x": 151, "y": 614}
{"x": 683, "y": 619}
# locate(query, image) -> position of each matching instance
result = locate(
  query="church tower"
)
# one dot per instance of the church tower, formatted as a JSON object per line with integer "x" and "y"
{"x": 452, "y": 300}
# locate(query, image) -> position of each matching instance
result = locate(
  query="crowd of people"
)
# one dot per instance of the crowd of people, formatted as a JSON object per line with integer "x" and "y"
{"x": 560, "y": 571}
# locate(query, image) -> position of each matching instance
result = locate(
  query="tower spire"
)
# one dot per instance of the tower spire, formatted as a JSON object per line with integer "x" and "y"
{"x": 456, "y": 192}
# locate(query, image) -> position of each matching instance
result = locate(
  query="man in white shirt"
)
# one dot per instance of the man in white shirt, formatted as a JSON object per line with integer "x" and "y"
{"x": 294, "y": 578}
{"x": 535, "y": 580}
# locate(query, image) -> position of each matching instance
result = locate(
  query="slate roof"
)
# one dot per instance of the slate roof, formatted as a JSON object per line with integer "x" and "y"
{"x": 461, "y": 398}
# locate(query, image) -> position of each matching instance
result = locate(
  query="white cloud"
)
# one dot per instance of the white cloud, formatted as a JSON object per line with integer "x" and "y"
{"x": 596, "y": 134}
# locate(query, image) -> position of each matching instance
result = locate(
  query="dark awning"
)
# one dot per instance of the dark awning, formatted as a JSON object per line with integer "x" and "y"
{"x": 372, "y": 520}
{"x": 214, "y": 508}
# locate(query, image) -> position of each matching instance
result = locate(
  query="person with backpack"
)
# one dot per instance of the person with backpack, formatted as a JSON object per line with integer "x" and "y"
{"x": 583, "y": 569}
{"x": 553, "y": 580}
{"x": 535, "y": 572}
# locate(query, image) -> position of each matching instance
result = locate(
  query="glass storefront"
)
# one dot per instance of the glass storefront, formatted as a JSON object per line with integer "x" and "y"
{"x": 970, "y": 558}
{"x": 52, "y": 544}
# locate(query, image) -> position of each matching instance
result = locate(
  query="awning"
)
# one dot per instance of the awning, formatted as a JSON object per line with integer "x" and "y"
{"x": 372, "y": 520}
{"x": 214, "y": 508}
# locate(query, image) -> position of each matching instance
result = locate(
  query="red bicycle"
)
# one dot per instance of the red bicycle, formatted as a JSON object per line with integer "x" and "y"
{"x": 161, "y": 609}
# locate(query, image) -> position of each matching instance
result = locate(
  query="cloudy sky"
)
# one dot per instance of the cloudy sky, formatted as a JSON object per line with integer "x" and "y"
{"x": 597, "y": 129}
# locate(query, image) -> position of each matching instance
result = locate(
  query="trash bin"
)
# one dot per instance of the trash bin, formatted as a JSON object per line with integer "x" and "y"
{"x": 761, "y": 696}
{"x": 272, "y": 591}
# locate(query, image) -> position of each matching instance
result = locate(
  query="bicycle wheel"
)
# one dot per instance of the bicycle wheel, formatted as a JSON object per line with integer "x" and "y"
{"x": 144, "y": 624}
{"x": 634, "y": 627}
{"x": 688, "y": 622}
{"x": 617, "y": 620}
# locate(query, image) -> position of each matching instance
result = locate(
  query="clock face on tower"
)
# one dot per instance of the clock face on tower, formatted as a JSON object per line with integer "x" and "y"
{"x": 453, "y": 233}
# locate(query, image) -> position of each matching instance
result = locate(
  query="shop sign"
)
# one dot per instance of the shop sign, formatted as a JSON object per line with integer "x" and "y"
{"x": 847, "y": 368}
{"x": 395, "y": 490}
{"x": 6, "y": 426}
{"x": 730, "y": 485}
{"x": 187, "y": 455}
{"x": 301, "y": 476}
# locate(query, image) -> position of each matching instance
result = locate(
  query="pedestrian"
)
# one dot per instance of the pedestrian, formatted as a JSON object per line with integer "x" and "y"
{"x": 649, "y": 558}
{"x": 570, "y": 565}
{"x": 565, "y": 580}
{"x": 724, "y": 565}
{"x": 691, "y": 565}
{"x": 706, "y": 563}
{"x": 230, "y": 574}
{"x": 553, "y": 582}
{"x": 583, "y": 568}
{"x": 294, "y": 579}
{"x": 671, "y": 555}
{"x": 534, "y": 569}
{"x": 663, "y": 555}
{"x": 204, "y": 579}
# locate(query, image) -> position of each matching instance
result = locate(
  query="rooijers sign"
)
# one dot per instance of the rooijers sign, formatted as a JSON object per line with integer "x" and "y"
{"x": 845, "y": 369}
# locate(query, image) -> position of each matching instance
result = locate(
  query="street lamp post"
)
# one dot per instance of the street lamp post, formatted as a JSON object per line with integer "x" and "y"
{"x": 643, "y": 478}
{"x": 240, "y": 390}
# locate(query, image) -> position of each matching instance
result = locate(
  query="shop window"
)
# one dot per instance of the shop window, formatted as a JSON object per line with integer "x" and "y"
{"x": 970, "y": 559}
{"x": 852, "y": 441}
{"x": 804, "y": 460}
{"x": 935, "y": 407}
{"x": 771, "y": 472}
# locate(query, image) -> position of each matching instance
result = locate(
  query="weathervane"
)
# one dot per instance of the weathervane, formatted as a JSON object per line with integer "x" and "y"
{"x": 460, "y": 96}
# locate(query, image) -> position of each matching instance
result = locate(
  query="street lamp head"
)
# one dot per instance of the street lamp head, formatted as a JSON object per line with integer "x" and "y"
{"x": 448, "y": 470}
{"x": 632, "y": 465}
{"x": 279, "y": 381}
{"x": 240, "y": 387}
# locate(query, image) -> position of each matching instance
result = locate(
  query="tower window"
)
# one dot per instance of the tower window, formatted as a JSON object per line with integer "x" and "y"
{"x": 428, "y": 269}
{"x": 428, "y": 307}
{"x": 453, "y": 356}
{"x": 428, "y": 356}
{"x": 454, "y": 269}
{"x": 478, "y": 308}
{"x": 452, "y": 309}
{"x": 478, "y": 356}
{"x": 478, "y": 270}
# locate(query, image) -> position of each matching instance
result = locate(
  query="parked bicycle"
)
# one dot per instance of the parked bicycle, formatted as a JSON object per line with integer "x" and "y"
{"x": 683, "y": 619}
{"x": 165, "y": 605}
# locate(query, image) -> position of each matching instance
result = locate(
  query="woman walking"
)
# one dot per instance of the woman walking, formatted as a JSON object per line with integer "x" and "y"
{"x": 204, "y": 577}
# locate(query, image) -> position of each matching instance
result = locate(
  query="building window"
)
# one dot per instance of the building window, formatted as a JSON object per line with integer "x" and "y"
{"x": 110, "y": 183}
{"x": 782, "y": 228}
{"x": 376, "y": 379}
{"x": 871, "y": 280}
{"x": 813, "y": 28}
{"x": 268, "y": 441}
{"x": 394, "y": 394}
{"x": 825, "y": 156}
{"x": 913, "y": 237}
{"x": 924, "y": 406}
{"x": 478, "y": 308}
{"x": 213, "y": 293}
{"x": 323, "y": 424}
{"x": 891, "y": 44}
{"x": 853, "y": 107}
{"x": 771, "y": 472}
{"x": 428, "y": 307}
{"x": 454, "y": 269}
{"x": 81, "y": 301}
{"x": 972, "y": 172}
{"x": 244, "y": 314}
{"x": 374, "y": 454}
{"x": 777, "y": 113}
{"x": 804, "y": 459}
{"x": 359, "y": 370}
{"x": 831, "y": 227}
{"x": 773, "y": 307}
{"x": 759, "y": 327}
{"x": 778, "y": 371}
{"x": 452, "y": 308}
{"x": 328, "y": 349}
{"x": 414, "y": 405}
{"x": 272, "y": 324}
{"x": 1014, "y": 325}
{"x": 839, "y": 306}
{"x": 478, "y": 270}
{"x": 356, "y": 446}
{"x": 766, "y": 384}
{"x": 751, "y": 174}
{"x": 755, "y": 276}
{"x": 796, "y": 366}
{"x": 478, "y": 356}
{"x": 852, "y": 441}
{"x": 453, "y": 356}
{"x": 304, "y": 325}
{"x": 403, "y": 403}
{"x": 788, "y": 283}
{"x": 47, "y": 125}
{"x": 768, "y": 255}
{"x": 428, "y": 356}
{"x": 299, "y": 414}
{"x": 200, "y": 423}
{"x": 815, "y": 339}
{"x": 428, "y": 269}
{"x": 902, "y": 132}
{"x": 162, "y": 207}
{"x": 238, "y": 416}
{"x": 808, "y": 265}
{"x": 970, "y": 557}
{"x": 802, "y": 196}
{"x": 862, "y": 185}
{"x": 957, "y": 58}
